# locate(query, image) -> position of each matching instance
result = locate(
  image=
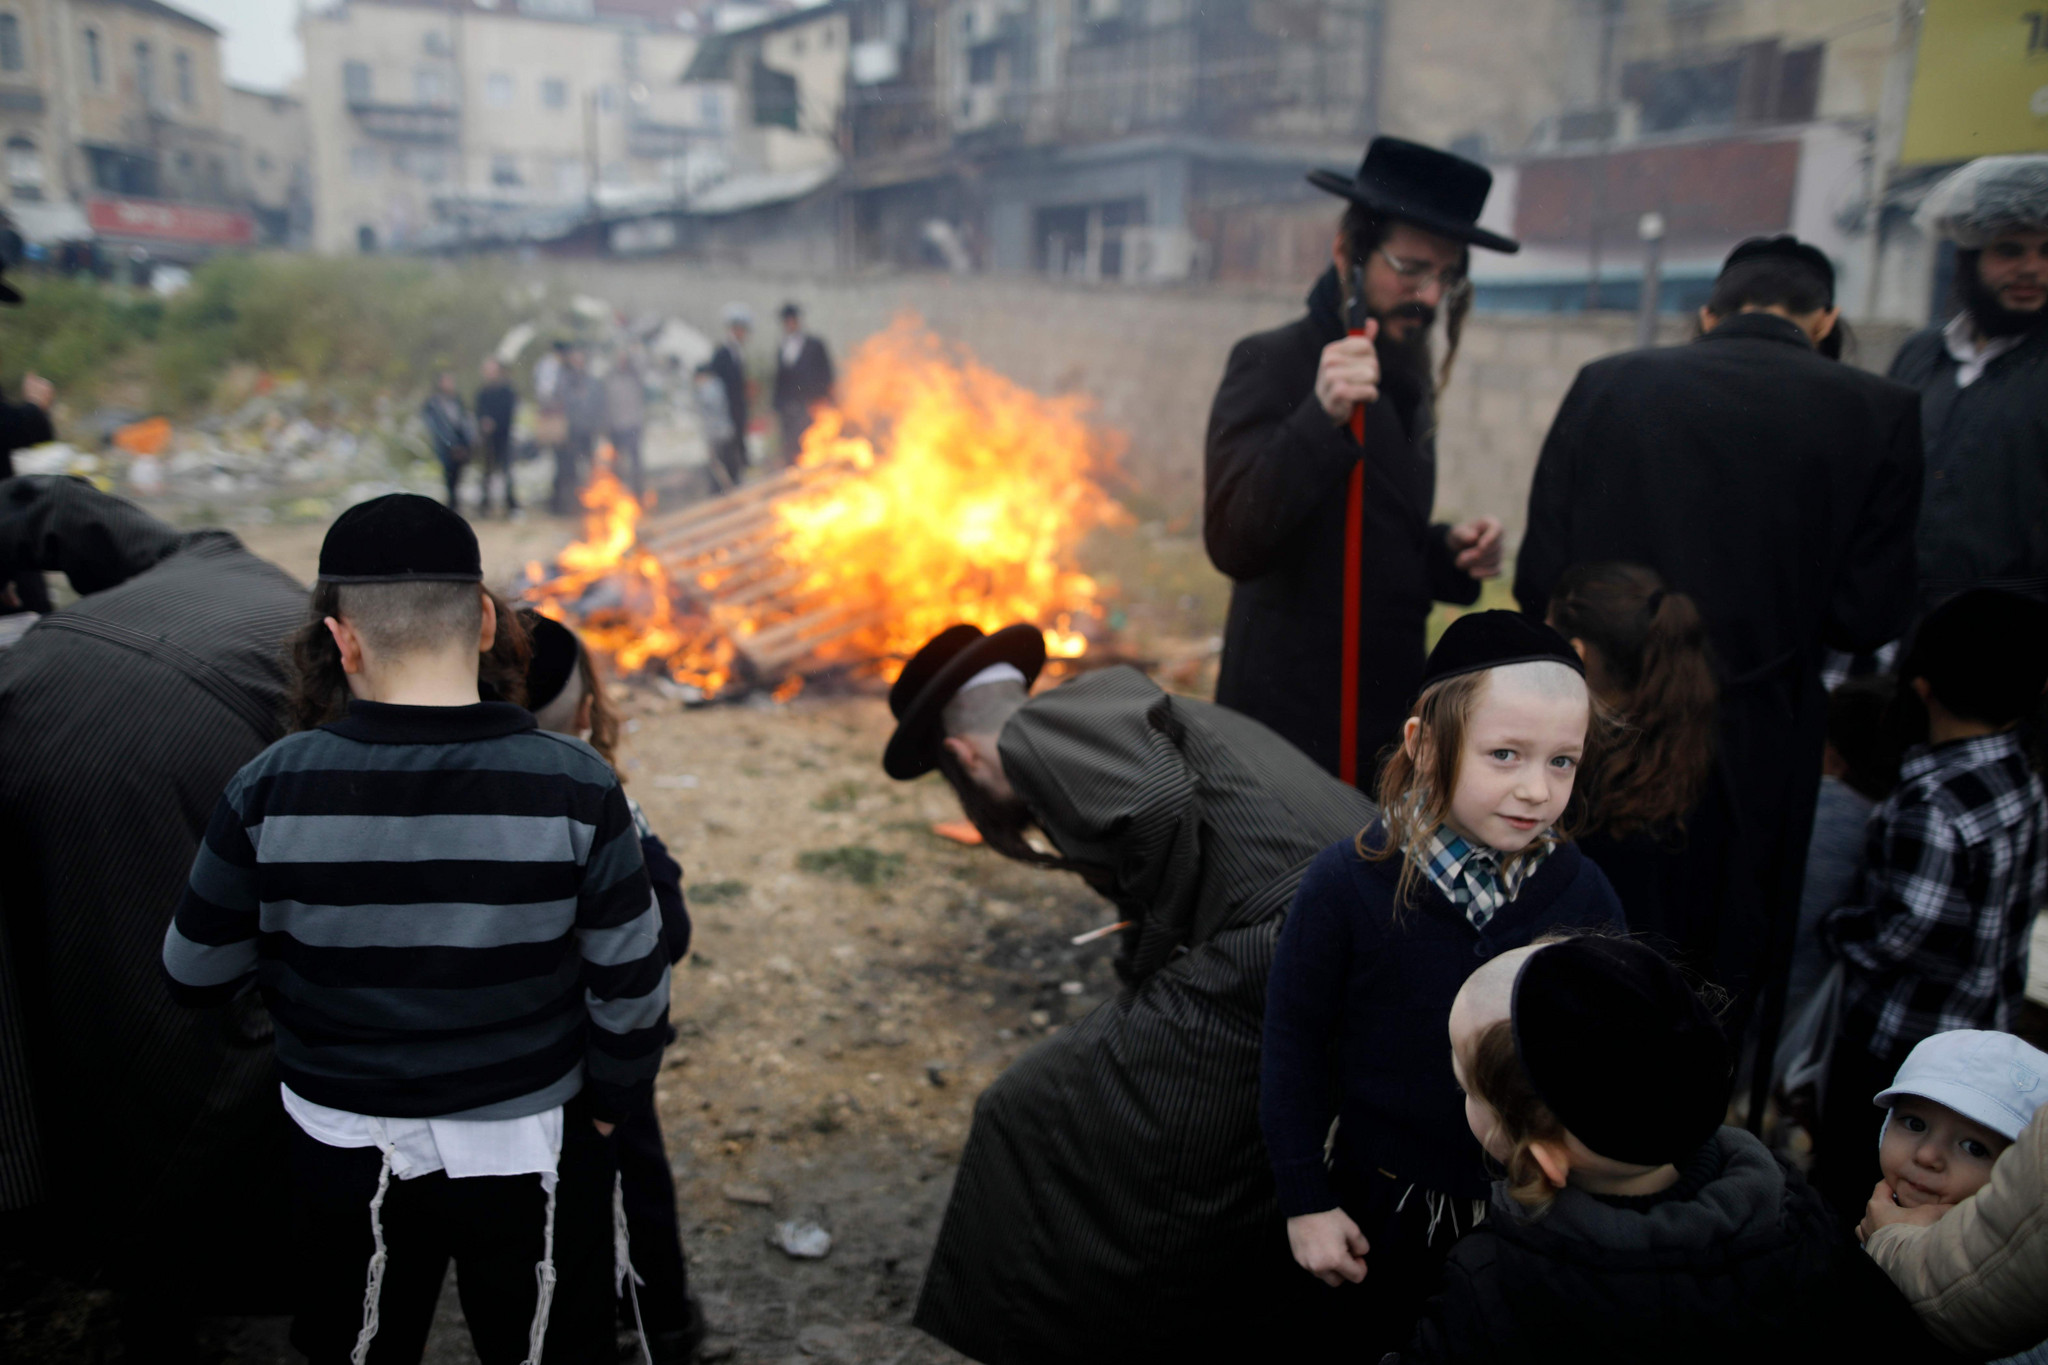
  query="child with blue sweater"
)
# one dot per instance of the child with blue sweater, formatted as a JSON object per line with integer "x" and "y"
{"x": 1466, "y": 862}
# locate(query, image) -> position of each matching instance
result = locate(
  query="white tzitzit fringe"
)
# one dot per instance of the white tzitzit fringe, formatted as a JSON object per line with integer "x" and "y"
{"x": 373, "y": 1289}
{"x": 625, "y": 1279}
{"x": 544, "y": 1277}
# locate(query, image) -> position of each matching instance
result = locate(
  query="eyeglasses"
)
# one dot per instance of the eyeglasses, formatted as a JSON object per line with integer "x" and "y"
{"x": 2015, "y": 251}
{"x": 1419, "y": 273}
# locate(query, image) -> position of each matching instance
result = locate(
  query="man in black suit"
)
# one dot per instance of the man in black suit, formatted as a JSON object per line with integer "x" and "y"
{"x": 1776, "y": 487}
{"x": 1328, "y": 539}
{"x": 803, "y": 380}
{"x": 728, "y": 365}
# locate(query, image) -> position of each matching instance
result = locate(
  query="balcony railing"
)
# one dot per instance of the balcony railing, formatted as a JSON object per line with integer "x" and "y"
{"x": 406, "y": 122}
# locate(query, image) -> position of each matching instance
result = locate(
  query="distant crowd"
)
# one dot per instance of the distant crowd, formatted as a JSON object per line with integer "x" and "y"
{"x": 580, "y": 404}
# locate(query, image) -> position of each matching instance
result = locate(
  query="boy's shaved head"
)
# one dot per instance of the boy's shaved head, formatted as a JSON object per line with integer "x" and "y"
{"x": 1541, "y": 676}
{"x": 396, "y": 619}
{"x": 1488, "y": 994}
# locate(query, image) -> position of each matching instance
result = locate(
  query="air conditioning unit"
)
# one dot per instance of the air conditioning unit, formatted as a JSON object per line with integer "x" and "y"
{"x": 1158, "y": 255}
{"x": 874, "y": 62}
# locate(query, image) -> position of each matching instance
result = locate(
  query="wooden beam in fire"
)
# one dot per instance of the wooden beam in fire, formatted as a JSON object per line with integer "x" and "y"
{"x": 723, "y": 553}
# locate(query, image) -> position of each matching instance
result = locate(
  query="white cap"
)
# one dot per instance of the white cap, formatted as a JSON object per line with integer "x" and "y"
{"x": 1992, "y": 1078}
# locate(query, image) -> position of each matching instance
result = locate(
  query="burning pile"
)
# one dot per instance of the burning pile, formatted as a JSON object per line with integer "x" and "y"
{"x": 938, "y": 492}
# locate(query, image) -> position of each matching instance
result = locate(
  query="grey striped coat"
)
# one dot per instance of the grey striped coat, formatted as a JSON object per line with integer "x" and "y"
{"x": 1114, "y": 1201}
{"x": 121, "y": 719}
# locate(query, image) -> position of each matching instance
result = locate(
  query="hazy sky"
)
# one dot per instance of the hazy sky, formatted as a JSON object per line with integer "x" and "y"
{"x": 261, "y": 39}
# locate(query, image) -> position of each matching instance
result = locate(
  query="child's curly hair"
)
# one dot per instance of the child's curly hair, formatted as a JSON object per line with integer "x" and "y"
{"x": 1495, "y": 1075}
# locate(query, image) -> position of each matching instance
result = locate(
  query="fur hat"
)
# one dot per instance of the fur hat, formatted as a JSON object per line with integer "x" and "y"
{"x": 1990, "y": 196}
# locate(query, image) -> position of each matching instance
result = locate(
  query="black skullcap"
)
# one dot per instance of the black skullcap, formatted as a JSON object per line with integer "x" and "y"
{"x": 1617, "y": 1045}
{"x": 1493, "y": 639}
{"x": 1984, "y": 654}
{"x": 1790, "y": 248}
{"x": 555, "y": 650}
{"x": 400, "y": 538}
{"x": 792, "y": 310}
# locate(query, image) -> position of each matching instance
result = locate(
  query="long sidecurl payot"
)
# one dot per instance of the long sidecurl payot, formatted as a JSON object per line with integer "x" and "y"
{"x": 1990, "y": 196}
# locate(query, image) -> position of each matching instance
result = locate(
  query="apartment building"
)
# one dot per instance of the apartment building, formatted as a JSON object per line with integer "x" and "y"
{"x": 277, "y": 162}
{"x": 112, "y": 115}
{"x": 436, "y": 123}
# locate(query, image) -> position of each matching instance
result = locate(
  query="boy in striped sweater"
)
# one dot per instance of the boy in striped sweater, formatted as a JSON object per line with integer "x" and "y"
{"x": 446, "y": 912}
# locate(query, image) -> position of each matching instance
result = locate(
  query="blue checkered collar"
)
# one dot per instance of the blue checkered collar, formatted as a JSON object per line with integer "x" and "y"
{"x": 1477, "y": 879}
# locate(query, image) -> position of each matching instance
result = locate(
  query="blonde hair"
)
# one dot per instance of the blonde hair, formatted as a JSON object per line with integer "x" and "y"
{"x": 1415, "y": 791}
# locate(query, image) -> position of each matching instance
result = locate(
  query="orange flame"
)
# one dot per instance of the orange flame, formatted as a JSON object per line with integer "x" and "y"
{"x": 970, "y": 510}
{"x": 939, "y": 492}
{"x": 644, "y": 623}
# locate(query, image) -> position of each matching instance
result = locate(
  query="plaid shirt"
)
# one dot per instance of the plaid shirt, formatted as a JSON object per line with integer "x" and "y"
{"x": 1473, "y": 877}
{"x": 1956, "y": 867}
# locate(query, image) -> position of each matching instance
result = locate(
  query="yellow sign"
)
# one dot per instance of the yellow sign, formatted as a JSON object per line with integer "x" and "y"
{"x": 1981, "y": 84}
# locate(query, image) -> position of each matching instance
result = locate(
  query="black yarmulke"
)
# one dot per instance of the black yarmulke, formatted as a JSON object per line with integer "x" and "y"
{"x": 400, "y": 538}
{"x": 1494, "y": 639}
{"x": 555, "y": 650}
{"x": 1790, "y": 248}
{"x": 1984, "y": 653}
{"x": 1620, "y": 1048}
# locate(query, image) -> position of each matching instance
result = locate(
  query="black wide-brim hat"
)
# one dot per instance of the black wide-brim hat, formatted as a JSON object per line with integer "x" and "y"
{"x": 935, "y": 673}
{"x": 1420, "y": 185}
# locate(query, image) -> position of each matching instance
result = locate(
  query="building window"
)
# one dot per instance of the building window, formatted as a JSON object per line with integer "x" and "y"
{"x": 11, "y": 57}
{"x": 95, "y": 67}
{"x": 505, "y": 170}
{"x": 711, "y": 110}
{"x": 24, "y": 169}
{"x": 554, "y": 93}
{"x": 429, "y": 164}
{"x": 355, "y": 81}
{"x": 498, "y": 89}
{"x": 568, "y": 176}
{"x": 430, "y": 85}
{"x": 436, "y": 44}
{"x": 187, "y": 96}
{"x": 608, "y": 98}
{"x": 145, "y": 75}
{"x": 363, "y": 163}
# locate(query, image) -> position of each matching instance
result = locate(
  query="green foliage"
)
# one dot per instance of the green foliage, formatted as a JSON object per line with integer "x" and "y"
{"x": 68, "y": 330}
{"x": 710, "y": 893}
{"x": 855, "y": 862}
{"x": 352, "y": 326}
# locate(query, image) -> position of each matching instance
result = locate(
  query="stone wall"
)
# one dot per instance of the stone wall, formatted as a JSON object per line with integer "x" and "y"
{"x": 1152, "y": 358}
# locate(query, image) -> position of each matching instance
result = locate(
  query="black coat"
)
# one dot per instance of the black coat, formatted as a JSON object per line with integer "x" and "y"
{"x": 806, "y": 382}
{"x": 1984, "y": 515}
{"x": 122, "y": 716}
{"x": 1114, "y": 1202}
{"x": 1778, "y": 489}
{"x": 730, "y": 367}
{"x": 1273, "y": 520}
{"x": 1744, "y": 1264}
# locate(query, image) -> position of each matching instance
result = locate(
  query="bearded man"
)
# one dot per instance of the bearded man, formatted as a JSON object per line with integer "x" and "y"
{"x": 1983, "y": 382}
{"x": 1328, "y": 539}
{"x": 1114, "y": 1201}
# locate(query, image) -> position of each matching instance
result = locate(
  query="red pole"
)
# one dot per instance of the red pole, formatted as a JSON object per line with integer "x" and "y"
{"x": 1354, "y": 536}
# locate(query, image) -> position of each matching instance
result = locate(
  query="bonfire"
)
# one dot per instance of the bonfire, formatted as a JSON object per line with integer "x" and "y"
{"x": 937, "y": 491}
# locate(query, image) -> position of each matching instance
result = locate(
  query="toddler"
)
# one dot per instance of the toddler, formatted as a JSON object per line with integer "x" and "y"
{"x": 1467, "y": 862}
{"x": 1959, "y": 1101}
{"x": 1630, "y": 1225}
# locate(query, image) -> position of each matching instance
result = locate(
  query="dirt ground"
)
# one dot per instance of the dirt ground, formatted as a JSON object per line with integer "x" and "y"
{"x": 856, "y": 981}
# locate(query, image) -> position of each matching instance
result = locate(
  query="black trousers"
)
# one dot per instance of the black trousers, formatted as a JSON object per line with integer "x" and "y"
{"x": 654, "y": 1233}
{"x": 1410, "y": 1232}
{"x": 572, "y": 458}
{"x": 492, "y": 1227}
{"x": 732, "y": 458}
{"x": 498, "y": 460}
{"x": 1845, "y": 1149}
{"x": 451, "y": 470}
{"x": 626, "y": 459}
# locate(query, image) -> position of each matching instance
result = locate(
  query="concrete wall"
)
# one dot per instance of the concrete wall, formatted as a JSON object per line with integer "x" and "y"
{"x": 1152, "y": 359}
